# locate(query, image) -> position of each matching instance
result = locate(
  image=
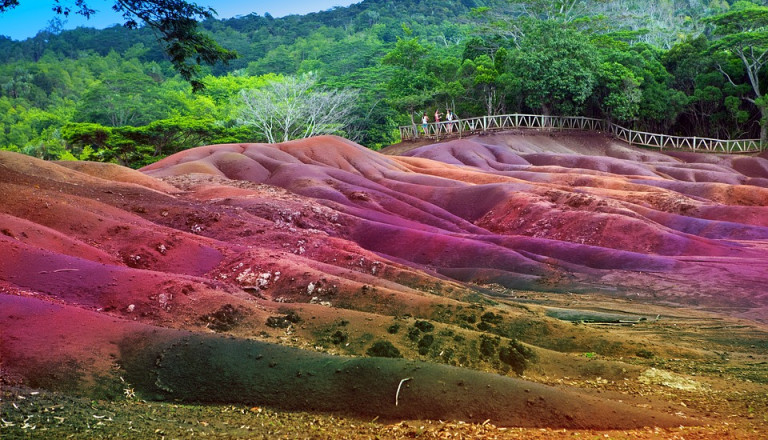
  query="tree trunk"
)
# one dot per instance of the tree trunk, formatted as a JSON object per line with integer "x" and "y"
{"x": 762, "y": 105}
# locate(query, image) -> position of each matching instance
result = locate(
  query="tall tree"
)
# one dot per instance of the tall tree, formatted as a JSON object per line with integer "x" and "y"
{"x": 557, "y": 67}
{"x": 742, "y": 33}
{"x": 411, "y": 87}
{"x": 295, "y": 108}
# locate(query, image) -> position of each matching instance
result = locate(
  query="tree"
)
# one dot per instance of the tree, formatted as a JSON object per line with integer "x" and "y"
{"x": 618, "y": 93}
{"x": 175, "y": 21}
{"x": 410, "y": 86}
{"x": 484, "y": 74}
{"x": 295, "y": 108}
{"x": 560, "y": 10}
{"x": 556, "y": 67}
{"x": 742, "y": 33}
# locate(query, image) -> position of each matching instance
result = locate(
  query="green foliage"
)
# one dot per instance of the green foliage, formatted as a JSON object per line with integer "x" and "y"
{"x": 619, "y": 94}
{"x": 414, "y": 334}
{"x": 488, "y": 346}
{"x": 139, "y": 146}
{"x": 557, "y": 67}
{"x": 383, "y": 349}
{"x": 517, "y": 356}
{"x": 679, "y": 68}
{"x": 425, "y": 343}
{"x": 339, "y": 337}
{"x": 424, "y": 326}
{"x": 491, "y": 318}
{"x": 742, "y": 38}
{"x": 645, "y": 354}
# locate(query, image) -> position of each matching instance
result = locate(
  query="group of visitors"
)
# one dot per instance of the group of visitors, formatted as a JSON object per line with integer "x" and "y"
{"x": 449, "y": 118}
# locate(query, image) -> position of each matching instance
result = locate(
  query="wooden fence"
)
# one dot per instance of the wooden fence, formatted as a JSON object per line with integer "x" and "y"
{"x": 486, "y": 124}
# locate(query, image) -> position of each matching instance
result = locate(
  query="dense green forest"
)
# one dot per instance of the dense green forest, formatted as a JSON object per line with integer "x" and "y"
{"x": 686, "y": 67}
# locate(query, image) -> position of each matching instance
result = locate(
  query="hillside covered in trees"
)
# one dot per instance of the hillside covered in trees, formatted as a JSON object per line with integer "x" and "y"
{"x": 682, "y": 67}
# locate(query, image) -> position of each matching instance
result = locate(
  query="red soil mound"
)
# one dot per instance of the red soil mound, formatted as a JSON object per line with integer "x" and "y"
{"x": 588, "y": 207}
{"x": 231, "y": 231}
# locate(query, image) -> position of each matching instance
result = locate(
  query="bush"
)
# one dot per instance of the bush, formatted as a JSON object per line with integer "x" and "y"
{"x": 516, "y": 355}
{"x": 224, "y": 319}
{"x": 425, "y": 343}
{"x": 383, "y": 349}
{"x": 491, "y": 318}
{"x": 414, "y": 334}
{"x": 339, "y": 337}
{"x": 643, "y": 353}
{"x": 484, "y": 326}
{"x": 488, "y": 346}
{"x": 393, "y": 329}
{"x": 283, "y": 321}
{"x": 471, "y": 319}
{"x": 424, "y": 326}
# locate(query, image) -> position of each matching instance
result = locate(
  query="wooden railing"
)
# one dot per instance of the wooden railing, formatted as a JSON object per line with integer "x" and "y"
{"x": 485, "y": 124}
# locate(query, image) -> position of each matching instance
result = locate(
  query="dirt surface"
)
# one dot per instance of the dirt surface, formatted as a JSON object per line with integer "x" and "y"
{"x": 535, "y": 285}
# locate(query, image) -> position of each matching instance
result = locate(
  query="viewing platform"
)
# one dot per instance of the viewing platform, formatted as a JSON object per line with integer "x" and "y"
{"x": 487, "y": 124}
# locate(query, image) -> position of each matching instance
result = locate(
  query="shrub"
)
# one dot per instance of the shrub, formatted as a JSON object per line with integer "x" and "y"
{"x": 425, "y": 343}
{"x": 469, "y": 318}
{"x": 643, "y": 353}
{"x": 491, "y": 318}
{"x": 383, "y": 349}
{"x": 424, "y": 326}
{"x": 283, "y": 321}
{"x": 484, "y": 326}
{"x": 488, "y": 346}
{"x": 516, "y": 355}
{"x": 339, "y": 337}
{"x": 394, "y": 328}
{"x": 224, "y": 319}
{"x": 414, "y": 334}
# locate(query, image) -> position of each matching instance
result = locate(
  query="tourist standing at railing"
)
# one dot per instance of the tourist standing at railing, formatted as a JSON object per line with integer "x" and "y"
{"x": 437, "y": 119}
{"x": 425, "y": 123}
{"x": 449, "y": 117}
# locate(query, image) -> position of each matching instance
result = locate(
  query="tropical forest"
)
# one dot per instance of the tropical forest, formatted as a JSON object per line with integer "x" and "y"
{"x": 690, "y": 68}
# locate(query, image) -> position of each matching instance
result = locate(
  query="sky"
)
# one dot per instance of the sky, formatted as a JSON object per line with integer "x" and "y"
{"x": 31, "y": 16}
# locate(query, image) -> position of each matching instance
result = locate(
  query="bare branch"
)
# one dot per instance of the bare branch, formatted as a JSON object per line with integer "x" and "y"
{"x": 294, "y": 108}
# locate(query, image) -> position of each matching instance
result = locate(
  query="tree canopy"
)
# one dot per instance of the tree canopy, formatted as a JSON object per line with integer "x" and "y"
{"x": 176, "y": 22}
{"x": 742, "y": 33}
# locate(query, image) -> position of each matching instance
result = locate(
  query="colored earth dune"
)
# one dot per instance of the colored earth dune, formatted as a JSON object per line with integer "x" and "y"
{"x": 107, "y": 269}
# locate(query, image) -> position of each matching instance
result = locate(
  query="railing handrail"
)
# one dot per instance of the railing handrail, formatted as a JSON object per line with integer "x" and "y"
{"x": 482, "y": 124}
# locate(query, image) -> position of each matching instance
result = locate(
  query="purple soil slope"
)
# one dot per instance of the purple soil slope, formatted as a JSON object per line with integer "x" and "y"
{"x": 574, "y": 213}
